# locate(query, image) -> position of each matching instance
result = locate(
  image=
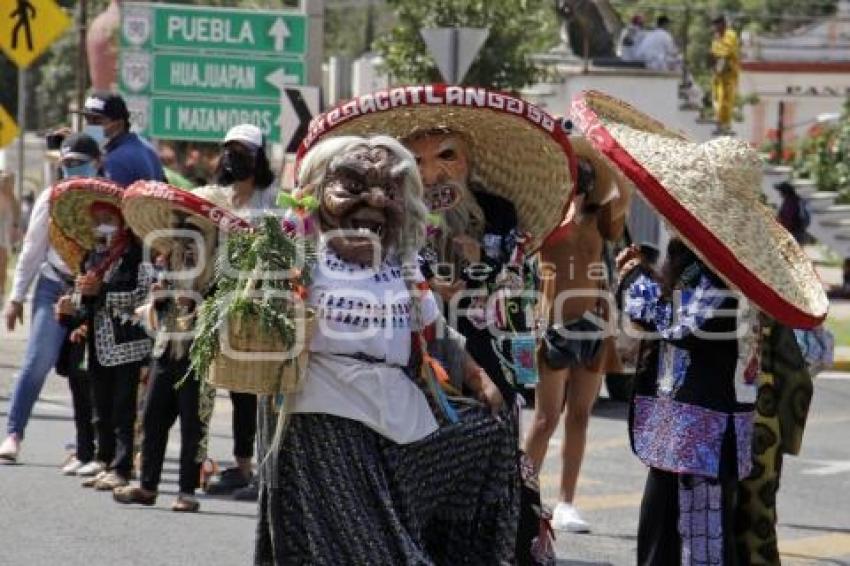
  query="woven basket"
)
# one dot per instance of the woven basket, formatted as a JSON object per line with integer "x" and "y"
{"x": 257, "y": 366}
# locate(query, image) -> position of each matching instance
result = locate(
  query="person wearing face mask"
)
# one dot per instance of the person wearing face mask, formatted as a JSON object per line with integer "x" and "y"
{"x": 246, "y": 177}
{"x": 79, "y": 156}
{"x": 128, "y": 158}
{"x": 113, "y": 281}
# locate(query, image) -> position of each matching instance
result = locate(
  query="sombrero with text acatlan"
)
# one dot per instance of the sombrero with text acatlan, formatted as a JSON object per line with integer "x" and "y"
{"x": 517, "y": 150}
{"x": 709, "y": 192}
{"x": 72, "y": 228}
{"x": 151, "y": 206}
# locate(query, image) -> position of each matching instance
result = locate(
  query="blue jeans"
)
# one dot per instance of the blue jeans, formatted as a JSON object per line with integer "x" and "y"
{"x": 45, "y": 343}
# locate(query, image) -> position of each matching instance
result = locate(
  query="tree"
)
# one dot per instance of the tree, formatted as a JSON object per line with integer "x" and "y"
{"x": 518, "y": 29}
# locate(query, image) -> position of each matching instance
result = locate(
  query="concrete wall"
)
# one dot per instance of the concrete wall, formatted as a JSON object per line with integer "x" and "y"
{"x": 806, "y": 95}
{"x": 655, "y": 94}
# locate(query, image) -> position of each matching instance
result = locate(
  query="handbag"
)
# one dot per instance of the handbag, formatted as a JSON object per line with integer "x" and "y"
{"x": 575, "y": 343}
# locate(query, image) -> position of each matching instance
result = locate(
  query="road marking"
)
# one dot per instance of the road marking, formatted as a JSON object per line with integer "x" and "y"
{"x": 821, "y": 547}
{"x": 833, "y": 375}
{"x": 827, "y": 467}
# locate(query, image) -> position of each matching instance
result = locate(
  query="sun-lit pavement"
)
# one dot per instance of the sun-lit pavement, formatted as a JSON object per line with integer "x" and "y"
{"x": 47, "y": 519}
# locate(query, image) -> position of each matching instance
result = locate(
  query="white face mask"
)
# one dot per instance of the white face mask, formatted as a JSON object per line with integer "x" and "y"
{"x": 96, "y": 132}
{"x": 105, "y": 230}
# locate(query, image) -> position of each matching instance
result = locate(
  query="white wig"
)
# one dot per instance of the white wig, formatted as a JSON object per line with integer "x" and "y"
{"x": 314, "y": 168}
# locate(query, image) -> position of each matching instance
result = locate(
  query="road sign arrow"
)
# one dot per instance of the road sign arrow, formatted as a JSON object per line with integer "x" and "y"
{"x": 297, "y": 108}
{"x": 280, "y": 33}
{"x": 281, "y": 80}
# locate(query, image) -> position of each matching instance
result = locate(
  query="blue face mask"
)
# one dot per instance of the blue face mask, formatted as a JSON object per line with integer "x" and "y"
{"x": 86, "y": 169}
{"x": 96, "y": 132}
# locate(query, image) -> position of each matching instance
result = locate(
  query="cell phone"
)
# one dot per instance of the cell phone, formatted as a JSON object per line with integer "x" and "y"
{"x": 54, "y": 141}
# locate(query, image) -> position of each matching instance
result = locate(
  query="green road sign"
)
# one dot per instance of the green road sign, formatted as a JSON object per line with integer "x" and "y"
{"x": 205, "y": 120}
{"x": 207, "y": 75}
{"x": 170, "y": 27}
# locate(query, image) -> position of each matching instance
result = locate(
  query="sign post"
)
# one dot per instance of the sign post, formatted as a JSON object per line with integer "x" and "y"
{"x": 191, "y": 73}
{"x": 26, "y": 31}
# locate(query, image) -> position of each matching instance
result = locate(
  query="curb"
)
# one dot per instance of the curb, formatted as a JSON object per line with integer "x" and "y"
{"x": 841, "y": 365}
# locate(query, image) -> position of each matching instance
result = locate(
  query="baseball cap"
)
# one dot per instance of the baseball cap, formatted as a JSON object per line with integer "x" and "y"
{"x": 107, "y": 104}
{"x": 245, "y": 133}
{"x": 79, "y": 146}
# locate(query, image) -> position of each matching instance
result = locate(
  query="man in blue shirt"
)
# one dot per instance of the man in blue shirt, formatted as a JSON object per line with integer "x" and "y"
{"x": 128, "y": 158}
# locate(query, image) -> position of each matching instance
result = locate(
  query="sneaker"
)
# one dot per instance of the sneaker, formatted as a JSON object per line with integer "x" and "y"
{"x": 10, "y": 449}
{"x": 566, "y": 518}
{"x": 230, "y": 480}
{"x": 110, "y": 481}
{"x": 129, "y": 494}
{"x": 185, "y": 504}
{"x": 250, "y": 492}
{"x": 92, "y": 480}
{"x": 72, "y": 467}
{"x": 91, "y": 469}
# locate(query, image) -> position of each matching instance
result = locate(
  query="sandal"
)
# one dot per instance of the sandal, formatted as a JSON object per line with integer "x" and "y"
{"x": 129, "y": 494}
{"x": 185, "y": 504}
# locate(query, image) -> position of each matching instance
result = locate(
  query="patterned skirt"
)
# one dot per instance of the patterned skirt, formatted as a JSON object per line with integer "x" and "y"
{"x": 338, "y": 493}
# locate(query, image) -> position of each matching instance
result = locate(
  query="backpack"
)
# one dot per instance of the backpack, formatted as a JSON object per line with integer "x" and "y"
{"x": 818, "y": 348}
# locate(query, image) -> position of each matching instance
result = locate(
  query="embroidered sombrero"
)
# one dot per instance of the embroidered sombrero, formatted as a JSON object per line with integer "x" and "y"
{"x": 518, "y": 151}
{"x": 71, "y": 202}
{"x": 150, "y": 206}
{"x": 706, "y": 192}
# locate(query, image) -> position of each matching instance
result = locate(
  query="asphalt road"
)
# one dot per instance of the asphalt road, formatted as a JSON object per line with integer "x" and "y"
{"x": 47, "y": 519}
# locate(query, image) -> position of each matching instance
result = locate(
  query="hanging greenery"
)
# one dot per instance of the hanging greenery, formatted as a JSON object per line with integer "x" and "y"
{"x": 249, "y": 287}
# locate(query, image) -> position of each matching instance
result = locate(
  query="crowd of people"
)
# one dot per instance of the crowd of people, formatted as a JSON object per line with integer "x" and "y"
{"x": 434, "y": 312}
{"x": 656, "y": 49}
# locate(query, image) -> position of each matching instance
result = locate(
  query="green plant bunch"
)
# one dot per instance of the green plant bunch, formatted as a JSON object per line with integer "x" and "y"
{"x": 248, "y": 287}
{"x": 824, "y": 156}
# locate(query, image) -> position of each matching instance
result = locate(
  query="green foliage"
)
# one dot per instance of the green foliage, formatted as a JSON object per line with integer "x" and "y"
{"x": 244, "y": 290}
{"x": 518, "y": 29}
{"x": 824, "y": 156}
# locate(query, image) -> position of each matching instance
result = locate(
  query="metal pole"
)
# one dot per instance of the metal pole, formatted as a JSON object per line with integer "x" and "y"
{"x": 22, "y": 124}
{"x": 685, "y": 78}
{"x": 779, "y": 131}
{"x": 455, "y": 50}
{"x": 82, "y": 67}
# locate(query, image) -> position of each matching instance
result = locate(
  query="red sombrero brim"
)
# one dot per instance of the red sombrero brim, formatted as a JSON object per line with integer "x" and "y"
{"x": 152, "y": 206}
{"x": 707, "y": 242}
{"x": 70, "y": 206}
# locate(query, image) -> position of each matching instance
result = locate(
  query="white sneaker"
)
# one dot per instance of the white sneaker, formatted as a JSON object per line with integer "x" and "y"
{"x": 566, "y": 518}
{"x": 72, "y": 467}
{"x": 10, "y": 449}
{"x": 91, "y": 469}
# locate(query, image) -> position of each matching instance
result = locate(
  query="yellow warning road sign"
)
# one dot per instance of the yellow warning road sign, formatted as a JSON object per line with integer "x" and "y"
{"x": 28, "y": 27}
{"x": 8, "y": 128}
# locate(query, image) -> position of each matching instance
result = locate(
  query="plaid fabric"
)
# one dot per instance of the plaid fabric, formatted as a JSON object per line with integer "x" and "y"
{"x": 335, "y": 492}
{"x": 693, "y": 306}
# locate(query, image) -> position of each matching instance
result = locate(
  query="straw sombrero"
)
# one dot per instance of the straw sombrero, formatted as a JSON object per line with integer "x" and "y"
{"x": 517, "y": 150}
{"x": 705, "y": 191}
{"x": 70, "y": 212}
{"x": 150, "y": 206}
{"x": 70, "y": 251}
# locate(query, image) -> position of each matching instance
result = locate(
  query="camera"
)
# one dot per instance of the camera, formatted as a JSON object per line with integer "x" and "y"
{"x": 54, "y": 141}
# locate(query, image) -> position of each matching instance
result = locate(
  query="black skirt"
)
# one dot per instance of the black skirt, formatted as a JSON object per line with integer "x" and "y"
{"x": 336, "y": 492}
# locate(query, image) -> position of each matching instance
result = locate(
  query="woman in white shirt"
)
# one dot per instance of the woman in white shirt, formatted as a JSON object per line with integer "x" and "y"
{"x": 369, "y": 468}
{"x": 80, "y": 156}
